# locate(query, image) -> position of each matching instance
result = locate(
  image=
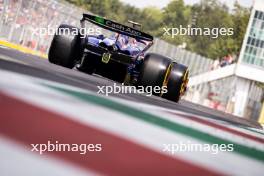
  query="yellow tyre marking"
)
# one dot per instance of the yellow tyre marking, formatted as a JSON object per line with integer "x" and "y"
{"x": 184, "y": 82}
{"x": 166, "y": 78}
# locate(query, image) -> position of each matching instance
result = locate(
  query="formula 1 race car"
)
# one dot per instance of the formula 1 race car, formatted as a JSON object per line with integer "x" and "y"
{"x": 118, "y": 54}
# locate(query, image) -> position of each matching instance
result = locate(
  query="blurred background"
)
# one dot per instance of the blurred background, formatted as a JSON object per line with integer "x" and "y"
{"x": 227, "y": 73}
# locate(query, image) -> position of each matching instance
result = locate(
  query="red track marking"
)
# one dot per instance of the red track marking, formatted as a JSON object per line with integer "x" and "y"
{"x": 221, "y": 127}
{"x": 28, "y": 124}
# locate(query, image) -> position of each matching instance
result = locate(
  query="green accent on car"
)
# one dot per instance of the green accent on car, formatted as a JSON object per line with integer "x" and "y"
{"x": 99, "y": 20}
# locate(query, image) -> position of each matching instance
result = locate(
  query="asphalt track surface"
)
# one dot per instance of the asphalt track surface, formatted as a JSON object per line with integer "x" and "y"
{"x": 21, "y": 63}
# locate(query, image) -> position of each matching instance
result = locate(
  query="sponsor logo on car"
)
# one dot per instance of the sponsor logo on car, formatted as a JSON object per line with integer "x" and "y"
{"x": 123, "y": 28}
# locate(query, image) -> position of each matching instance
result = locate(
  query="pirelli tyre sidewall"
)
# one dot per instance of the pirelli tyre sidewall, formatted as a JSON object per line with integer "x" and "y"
{"x": 65, "y": 47}
{"x": 176, "y": 82}
{"x": 153, "y": 70}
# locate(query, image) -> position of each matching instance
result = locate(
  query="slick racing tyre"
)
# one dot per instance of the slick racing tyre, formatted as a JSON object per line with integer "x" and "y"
{"x": 176, "y": 82}
{"x": 65, "y": 47}
{"x": 153, "y": 70}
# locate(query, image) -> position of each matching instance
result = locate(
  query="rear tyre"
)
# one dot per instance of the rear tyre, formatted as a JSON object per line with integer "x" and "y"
{"x": 153, "y": 70}
{"x": 177, "y": 82}
{"x": 65, "y": 47}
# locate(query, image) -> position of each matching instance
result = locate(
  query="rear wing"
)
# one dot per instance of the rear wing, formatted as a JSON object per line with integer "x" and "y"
{"x": 116, "y": 27}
